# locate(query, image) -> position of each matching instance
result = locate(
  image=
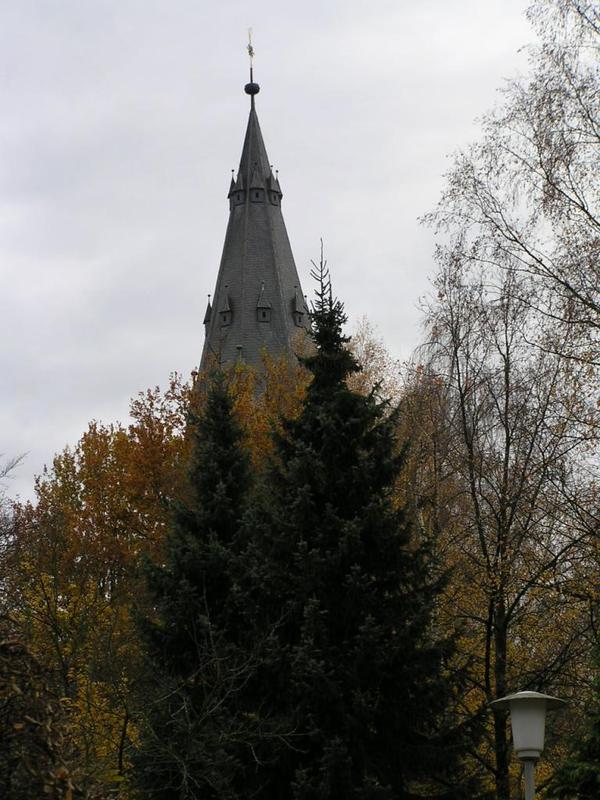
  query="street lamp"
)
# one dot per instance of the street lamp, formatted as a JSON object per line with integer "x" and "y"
{"x": 528, "y": 720}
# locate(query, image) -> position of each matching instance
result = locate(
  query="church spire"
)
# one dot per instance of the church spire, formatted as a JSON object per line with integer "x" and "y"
{"x": 256, "y": 306}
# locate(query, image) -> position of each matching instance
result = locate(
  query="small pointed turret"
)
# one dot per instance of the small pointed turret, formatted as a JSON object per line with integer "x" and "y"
{"x": 258, "y": 302}
{"x": 208, "y": 312}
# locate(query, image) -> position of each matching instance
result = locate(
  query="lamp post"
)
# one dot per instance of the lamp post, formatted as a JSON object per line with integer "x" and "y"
{"x": 528, "y": 721}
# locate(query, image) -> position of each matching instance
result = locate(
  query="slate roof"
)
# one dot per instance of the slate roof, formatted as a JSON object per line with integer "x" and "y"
{"x": 257, "y": 265}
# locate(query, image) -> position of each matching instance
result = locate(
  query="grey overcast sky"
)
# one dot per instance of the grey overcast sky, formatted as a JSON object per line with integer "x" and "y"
{"x": 121, "y": 121}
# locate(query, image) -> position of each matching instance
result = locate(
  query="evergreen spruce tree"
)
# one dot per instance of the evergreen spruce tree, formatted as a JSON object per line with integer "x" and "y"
{"x": 191, "y": 724}
{"x": 352, "y": 678}
{"x": 579, "y": 776}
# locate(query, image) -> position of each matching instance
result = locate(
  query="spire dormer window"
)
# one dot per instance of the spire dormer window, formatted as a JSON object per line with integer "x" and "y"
{"x": 236, "y": 198}
{"x": 299, "y": 309}
{"x": 273, "y": 188}
{"x": 263, "y": 306}
{"x": 256, "y": 184}
{"x": 237, "y": 192}
{"x": 225, "y": 315}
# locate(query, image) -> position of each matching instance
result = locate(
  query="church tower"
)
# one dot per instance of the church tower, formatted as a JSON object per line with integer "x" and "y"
{"x": 258, "y": 305}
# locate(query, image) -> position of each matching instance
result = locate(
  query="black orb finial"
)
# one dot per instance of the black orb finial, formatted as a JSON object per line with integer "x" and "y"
{"x": 251, "y": 88}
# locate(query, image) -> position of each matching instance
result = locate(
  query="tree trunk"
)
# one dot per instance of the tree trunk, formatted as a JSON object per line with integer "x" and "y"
{"x": 500, "y": 717}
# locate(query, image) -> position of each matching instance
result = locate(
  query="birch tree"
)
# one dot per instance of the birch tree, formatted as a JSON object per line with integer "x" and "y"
{"x": 512, "y": 451}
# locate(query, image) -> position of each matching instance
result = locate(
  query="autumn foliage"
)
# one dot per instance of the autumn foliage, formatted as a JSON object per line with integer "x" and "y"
{"x": 72, "y": 567}
{"x": 497, "y": 418}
